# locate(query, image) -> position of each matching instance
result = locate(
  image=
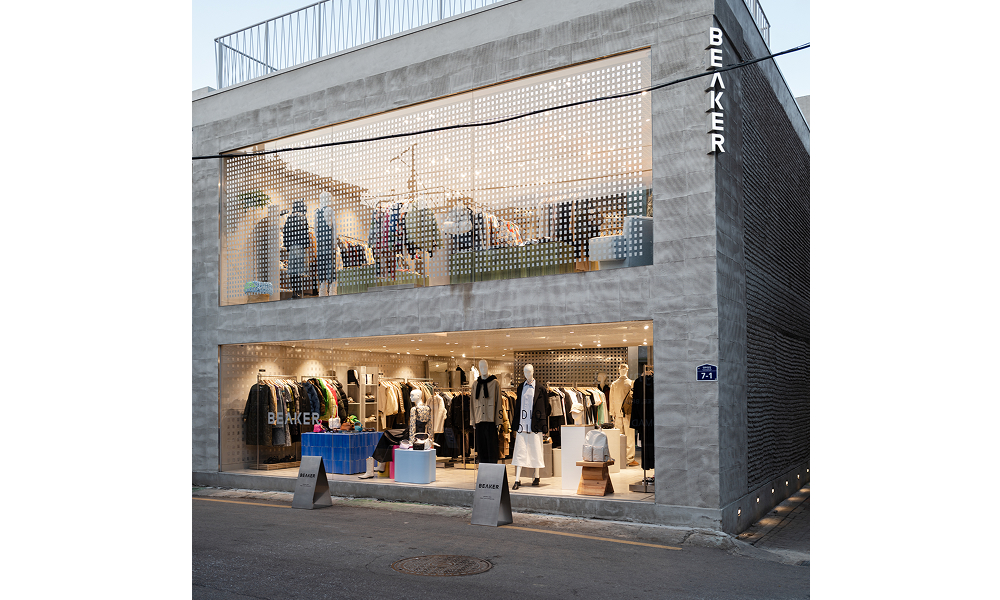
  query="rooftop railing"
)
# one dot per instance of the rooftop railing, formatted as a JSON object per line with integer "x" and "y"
{"x": 322, "y": 29}
{"x": 332, "y": 26}
{"x": 763, "y": 25}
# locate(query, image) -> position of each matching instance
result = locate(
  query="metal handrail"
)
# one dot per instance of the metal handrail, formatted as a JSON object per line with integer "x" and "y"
{"x": 760, "y": 19}
{"x": 330, "y": 26}
{"x": 321, "y": 29}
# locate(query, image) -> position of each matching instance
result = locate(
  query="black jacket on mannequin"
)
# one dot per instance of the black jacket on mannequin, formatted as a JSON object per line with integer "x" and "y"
{"x": 539, "y": 409}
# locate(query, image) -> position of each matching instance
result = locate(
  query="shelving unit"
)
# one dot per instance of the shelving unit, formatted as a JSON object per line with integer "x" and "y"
{"x": 356, "y": 396}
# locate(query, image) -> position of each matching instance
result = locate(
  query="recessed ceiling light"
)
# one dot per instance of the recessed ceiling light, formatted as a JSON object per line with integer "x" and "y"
{"x": 646, "y": 327}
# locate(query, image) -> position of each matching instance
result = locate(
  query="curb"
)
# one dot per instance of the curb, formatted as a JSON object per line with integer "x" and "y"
{"x": 641, "y": 532}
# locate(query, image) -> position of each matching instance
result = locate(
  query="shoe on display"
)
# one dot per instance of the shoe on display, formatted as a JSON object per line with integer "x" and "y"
{"x": 517, "y": 484}
{"x": 534, "y": 481}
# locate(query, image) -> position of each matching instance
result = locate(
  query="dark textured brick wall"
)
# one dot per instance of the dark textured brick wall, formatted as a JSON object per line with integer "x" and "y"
{"x": 776, "y": 252}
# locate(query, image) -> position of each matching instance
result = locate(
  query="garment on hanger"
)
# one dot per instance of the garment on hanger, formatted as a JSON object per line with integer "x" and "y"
{"x": 642, "y": 417}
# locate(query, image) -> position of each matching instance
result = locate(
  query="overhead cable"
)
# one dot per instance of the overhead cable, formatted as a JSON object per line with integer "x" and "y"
{"x": 510, "y": 118}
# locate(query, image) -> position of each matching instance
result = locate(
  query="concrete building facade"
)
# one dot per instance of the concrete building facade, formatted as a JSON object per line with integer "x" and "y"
{"x": 728, "y": 284}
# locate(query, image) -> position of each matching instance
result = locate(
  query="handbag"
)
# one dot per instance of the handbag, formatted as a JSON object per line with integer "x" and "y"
{"x": 627, "y": 404}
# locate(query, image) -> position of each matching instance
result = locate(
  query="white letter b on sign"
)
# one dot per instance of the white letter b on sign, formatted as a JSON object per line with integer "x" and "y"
{"x": 714, "y": 36}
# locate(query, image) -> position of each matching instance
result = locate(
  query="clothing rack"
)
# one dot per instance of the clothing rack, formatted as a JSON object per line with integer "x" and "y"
{"x": 586, "y": 413}
{"x": 463, "y": 389}
{"x": 260, "y": 377}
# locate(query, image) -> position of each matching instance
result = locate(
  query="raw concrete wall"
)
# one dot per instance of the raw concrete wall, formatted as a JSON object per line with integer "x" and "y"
{"x": 678, "y": 292}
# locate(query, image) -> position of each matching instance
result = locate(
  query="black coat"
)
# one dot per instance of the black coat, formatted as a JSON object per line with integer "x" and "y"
{"x": 258, "y": 430}
{"x": 539, "y": 409}
{"x": 642, "y": 417}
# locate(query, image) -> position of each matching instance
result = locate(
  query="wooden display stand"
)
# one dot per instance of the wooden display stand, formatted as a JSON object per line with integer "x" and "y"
{"x": 595, "y": 480}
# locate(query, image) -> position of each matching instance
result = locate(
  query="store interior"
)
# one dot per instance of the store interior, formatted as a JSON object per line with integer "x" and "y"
{"x": 578, "y": 364}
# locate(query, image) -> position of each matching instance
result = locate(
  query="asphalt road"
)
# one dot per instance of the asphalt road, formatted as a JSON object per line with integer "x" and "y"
{"x": 250, "y": 550}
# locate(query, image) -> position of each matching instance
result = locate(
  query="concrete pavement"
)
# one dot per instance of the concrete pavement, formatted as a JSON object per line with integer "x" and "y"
{"x": 782, "y": 536}
{"x": 784, "y": 531}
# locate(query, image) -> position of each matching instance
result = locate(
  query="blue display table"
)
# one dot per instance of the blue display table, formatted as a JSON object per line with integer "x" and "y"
{"x": 342, "y": 453}
{"x": 414, "y": 466}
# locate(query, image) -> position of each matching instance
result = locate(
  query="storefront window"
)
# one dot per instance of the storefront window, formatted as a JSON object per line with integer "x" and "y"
{"x": 273, "y": 396}
{"x": 556, "y": 192}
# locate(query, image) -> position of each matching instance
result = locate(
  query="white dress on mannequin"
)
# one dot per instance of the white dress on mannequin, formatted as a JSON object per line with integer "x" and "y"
{"x": 528, "y": 444}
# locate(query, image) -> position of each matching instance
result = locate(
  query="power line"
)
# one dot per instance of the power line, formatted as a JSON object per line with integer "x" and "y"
{"x": 514, "y": 117}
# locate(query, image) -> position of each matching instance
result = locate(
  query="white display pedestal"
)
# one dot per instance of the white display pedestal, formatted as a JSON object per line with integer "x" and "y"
{"x": 614, "y": 447}
{"x": 572, "y": 451}
{"x": 415, "y": 466}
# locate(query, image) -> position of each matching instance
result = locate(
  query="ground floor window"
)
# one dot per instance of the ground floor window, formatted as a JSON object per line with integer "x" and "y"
{"x": 448, "y": 401}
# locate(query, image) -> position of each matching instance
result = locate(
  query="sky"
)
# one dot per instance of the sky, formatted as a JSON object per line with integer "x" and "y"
{"x": 212, "y": 18}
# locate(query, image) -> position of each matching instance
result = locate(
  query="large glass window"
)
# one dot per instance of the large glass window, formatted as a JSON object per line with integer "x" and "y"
{"x": 555, "y": 192}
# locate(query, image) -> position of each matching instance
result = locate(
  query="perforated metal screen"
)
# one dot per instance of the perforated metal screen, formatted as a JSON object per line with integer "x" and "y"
{"x": 517, "y": 199}
{"x": 572, "y": 366}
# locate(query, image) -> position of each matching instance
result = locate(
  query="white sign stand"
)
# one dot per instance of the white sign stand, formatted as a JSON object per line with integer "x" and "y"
{"x": 491, "y": 502}
{"x": 312, "y": 489}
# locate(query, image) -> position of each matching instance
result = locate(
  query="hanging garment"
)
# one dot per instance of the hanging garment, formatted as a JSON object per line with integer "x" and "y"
{"x": 257, "y": 431}
{"x": 438, "y": 414}
{"x": 642, "y": 417}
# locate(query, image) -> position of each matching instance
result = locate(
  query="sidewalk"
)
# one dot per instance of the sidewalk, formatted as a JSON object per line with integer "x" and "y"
{"x": 782, "y": 536}
{"x": 785, "y": 530}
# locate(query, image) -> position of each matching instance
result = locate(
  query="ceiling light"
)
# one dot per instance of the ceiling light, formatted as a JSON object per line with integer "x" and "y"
{"x": 646, "y": 327}
{"x": 463, "y": 356}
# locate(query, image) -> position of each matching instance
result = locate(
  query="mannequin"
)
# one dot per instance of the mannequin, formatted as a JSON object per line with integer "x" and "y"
{"x": 295, "y": 235}
{"x": 326, "y": 233}
{"x": 619, "y": 390}
{"x": 531, "y": 421}
{"x": 486, "y": 415}
{"x": 420, "y": 416}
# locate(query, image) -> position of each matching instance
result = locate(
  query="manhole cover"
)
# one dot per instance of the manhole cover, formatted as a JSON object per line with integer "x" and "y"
{"x": 442, "y": 565}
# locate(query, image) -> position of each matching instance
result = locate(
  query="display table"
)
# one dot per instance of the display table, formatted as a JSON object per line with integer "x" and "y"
{"x": 572, "y": 451}
{"x": 343, "y": 453}
{"x": 594, "y": 478}
{"x": 414, "y": 466}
